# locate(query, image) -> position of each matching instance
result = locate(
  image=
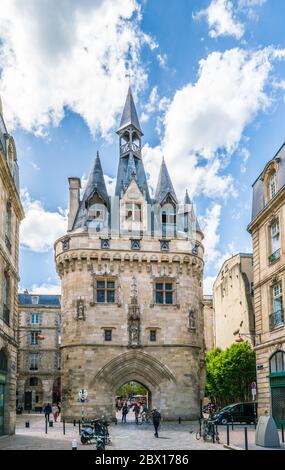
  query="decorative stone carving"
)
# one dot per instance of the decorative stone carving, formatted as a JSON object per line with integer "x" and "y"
{"x": 134, "y": 320}
{"x": 80, "y": 309}
{"x": 192, "y": 319}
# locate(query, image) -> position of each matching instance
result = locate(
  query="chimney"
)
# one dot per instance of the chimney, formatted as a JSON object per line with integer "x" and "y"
{"x": 74, "y": 200}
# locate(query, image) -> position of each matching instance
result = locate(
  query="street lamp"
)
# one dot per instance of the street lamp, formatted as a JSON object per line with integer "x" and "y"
{"x": 39, "y": 336}
{"x": 240, "y": 339}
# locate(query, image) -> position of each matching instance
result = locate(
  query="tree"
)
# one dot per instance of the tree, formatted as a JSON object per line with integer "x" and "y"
{"x": 229, "y": 373}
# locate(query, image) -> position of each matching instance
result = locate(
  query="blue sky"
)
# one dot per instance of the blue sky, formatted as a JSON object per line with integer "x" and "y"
{"x": 209, "y": 83}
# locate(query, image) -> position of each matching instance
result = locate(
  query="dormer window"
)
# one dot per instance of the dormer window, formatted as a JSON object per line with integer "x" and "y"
{"x": 133, "y": 212}
{"x": 96, "y": 212}
{"x": 272, "y": 184}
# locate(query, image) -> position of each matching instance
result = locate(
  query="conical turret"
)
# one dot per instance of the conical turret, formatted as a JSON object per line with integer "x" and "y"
{"x": 164, "y": 185}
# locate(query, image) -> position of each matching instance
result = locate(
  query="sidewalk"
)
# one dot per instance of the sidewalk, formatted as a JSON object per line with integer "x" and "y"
{"x": 237, "y": 438}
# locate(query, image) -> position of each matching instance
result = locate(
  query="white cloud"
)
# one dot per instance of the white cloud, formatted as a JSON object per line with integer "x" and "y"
{"x": 162, "y": 60}
{"x": 40, "y": 228}
{"x": 56, "y": 54}
{"x": 221, "y": 19}
{"x": 208, "y": 285}
{"x": 110, "y": 185}
{"x": 210, "y": 225}
{"x": 45, "y": 289}
{"x": 205, "y": 121}
{"x": 250, "y": 3}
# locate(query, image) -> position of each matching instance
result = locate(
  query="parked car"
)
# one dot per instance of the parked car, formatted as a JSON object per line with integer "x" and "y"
{"x": 237, "y": 413}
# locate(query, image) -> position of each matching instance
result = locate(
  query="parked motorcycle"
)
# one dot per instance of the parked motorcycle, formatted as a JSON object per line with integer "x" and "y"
{"x": 98, "y": 431}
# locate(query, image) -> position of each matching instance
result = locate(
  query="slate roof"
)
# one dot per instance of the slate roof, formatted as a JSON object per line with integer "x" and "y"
{"x": 164, "y": 185}
{"x": 129, "y": 115}
{"x": 96, "y": 183}
{"x": 258, "y": 200}
{"x": 44, "y": 300}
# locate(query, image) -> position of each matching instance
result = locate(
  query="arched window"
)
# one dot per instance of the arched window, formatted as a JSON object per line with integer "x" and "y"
{"x": 272, "y": 184}
{"x": 277, "y": 362}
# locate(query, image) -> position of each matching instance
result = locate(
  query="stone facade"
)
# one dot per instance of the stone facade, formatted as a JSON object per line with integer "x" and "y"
{"x": 268, "y": 234}
{"x": 209, "y": 331}
{"x": 11, "y": 214}
{"x": 233, "y": 303}
{"x": 39, "y": 360}
{"x": 131, "y": 270}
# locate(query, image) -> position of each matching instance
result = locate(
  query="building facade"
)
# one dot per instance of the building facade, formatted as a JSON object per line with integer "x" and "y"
{"x": 131, "y": 269}
{"x": 209, "y": 331}
{"x": 233, "y": 301}
{"x": 268, "y": 234}
{"x": 39, "y": 360}
{"x": 11, "y": 214}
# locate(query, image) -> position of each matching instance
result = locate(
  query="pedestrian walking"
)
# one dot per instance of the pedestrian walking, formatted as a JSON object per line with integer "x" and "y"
{"x": 55, "y": 412}
{"x": 125, "y": 411}
{"x": 136, "y": 410}
{"x": 47, "y": 411}
{"x": 156, "y": 417}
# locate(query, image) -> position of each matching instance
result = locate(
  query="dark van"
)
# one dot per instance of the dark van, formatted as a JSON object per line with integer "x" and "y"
{"x": 237, "y": 413}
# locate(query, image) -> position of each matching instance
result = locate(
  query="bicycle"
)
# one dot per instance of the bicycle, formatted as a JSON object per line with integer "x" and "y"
{"x": 208, "y": 431}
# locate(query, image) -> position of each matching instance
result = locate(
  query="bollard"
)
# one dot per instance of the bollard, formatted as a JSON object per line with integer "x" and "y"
{"x": 282, "y": 432}
{"x": 46, "y": 425}
{"x": 79, "y": 427}
{"x": 213, "y": 433}
{"x": 63, "y": 424}
{"x": 179, "y": 420}
{"x": 232, "y": 424}
{"x": 74, "y": 444}
{"x": 245, "y": 438}
{"x": 74, "y": 422}
{"x": 228, "y": 435}
{"x": 50, "y": 424}
{"x": 27, "y": 424}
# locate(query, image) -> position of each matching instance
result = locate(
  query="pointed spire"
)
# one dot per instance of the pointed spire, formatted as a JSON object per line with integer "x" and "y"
{"x": 129, "y": 115}
{"x": 96, "y": 181}
{"x": 131, "y": 169}
{"x": 164, "y": 185}
{"x": 187, "y": 198}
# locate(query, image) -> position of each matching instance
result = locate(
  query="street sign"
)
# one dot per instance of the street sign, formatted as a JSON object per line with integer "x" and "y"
{"x": 83, "y": 394}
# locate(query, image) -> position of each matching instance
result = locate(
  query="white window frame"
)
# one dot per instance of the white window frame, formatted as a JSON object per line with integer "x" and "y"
{"x": 37, "y": 317}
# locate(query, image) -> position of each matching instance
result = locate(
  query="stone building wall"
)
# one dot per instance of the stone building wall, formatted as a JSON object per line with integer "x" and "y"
{"x": 11, "y": 214}
{"x": 48, "y": 373}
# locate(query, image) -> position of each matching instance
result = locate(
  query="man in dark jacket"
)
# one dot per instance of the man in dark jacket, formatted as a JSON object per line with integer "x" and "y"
{"x": 47, "y": 411}
{"x": 156, "y": 417}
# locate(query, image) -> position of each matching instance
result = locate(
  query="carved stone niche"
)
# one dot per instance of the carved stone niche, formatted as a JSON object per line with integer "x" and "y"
{"x": 80, "y": 309}
{"x": 191, "y": 320}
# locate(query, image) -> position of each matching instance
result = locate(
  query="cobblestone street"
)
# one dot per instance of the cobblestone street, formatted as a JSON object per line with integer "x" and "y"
{"x": 172, "y": 436}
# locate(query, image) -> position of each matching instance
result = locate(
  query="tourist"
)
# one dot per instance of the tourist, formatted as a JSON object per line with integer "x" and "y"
{"x": 137, "y": 410}
{"x": 47, "y": 411}
{"x": 156, "y": 417}
{"x": 125, "y": 411}
{"x": 55, "y": 412}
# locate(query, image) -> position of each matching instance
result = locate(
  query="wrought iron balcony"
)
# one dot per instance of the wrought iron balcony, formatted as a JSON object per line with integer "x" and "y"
{"x": 274, "y": 256}
{"x": 276, "y": 319}
{"x": 125, "y": 148}
{"x": 6, "y": 314}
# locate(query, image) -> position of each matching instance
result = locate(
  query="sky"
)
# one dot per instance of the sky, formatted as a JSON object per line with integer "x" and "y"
{"x": 208, "y": 77}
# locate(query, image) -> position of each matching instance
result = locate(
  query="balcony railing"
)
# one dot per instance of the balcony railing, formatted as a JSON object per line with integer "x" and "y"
{"x": 274, "y": 256}
{"x": 276, "y": 319}
{"x": 6, "y": 315}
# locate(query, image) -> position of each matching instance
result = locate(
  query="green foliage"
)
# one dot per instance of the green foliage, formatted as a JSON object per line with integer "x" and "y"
{"x": 229, "y": 373}
{"x": 131, "y": 387}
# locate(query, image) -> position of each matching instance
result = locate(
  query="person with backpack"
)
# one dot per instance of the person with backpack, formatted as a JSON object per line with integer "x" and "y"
{"x": 156, "y": 417}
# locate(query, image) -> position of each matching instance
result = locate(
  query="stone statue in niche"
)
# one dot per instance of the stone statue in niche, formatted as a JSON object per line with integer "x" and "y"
{"x": 192, "y": 319}
{"x": 134, "y": 319}
{"x": 80, "y": 310}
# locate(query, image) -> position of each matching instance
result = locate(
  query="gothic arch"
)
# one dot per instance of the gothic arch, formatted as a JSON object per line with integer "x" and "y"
{"x": 134, "y": 365}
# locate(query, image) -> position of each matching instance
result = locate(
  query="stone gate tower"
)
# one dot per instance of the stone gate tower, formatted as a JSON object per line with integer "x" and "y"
{"x": 131, "y": 268}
